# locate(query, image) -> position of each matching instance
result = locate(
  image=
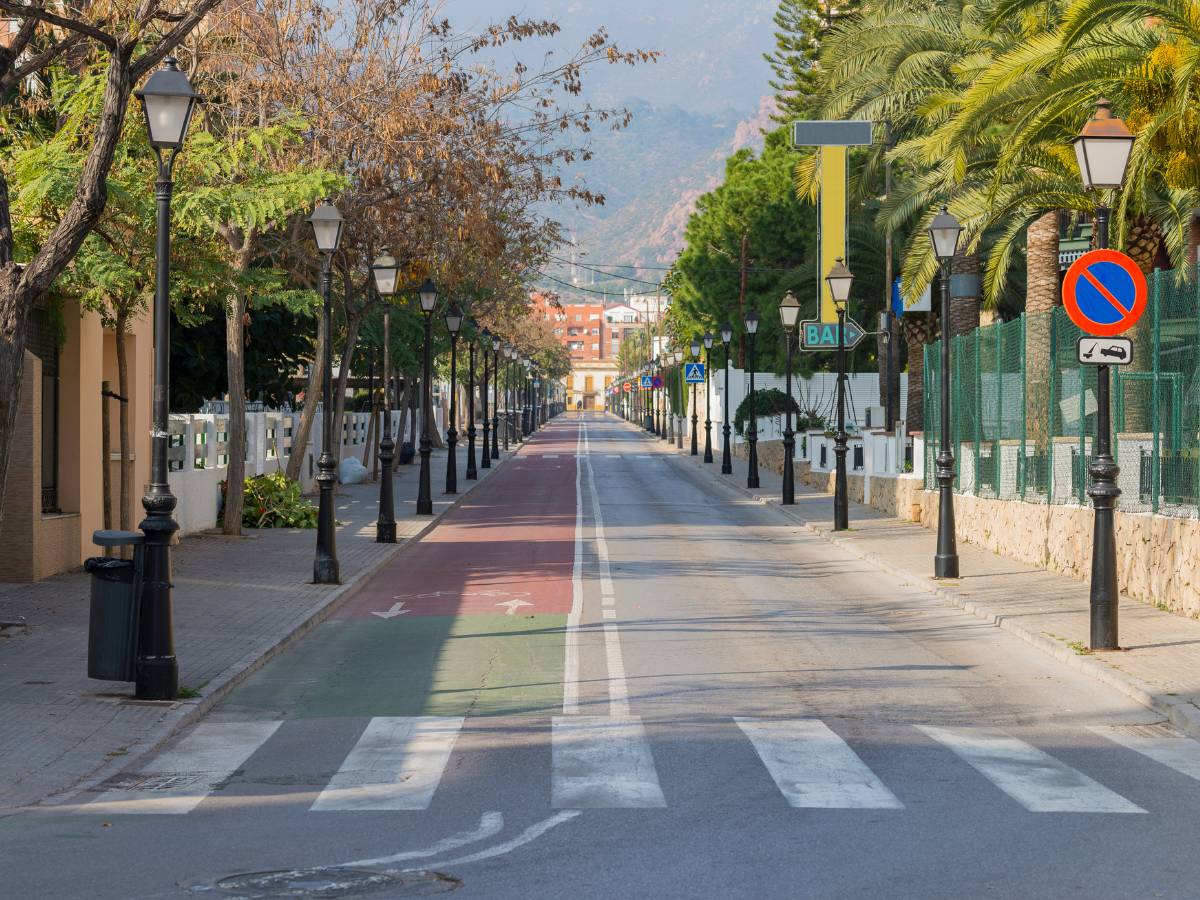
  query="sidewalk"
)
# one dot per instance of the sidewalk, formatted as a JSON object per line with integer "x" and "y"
{"x": 1159, "y": 665}
{"x": 237, "y": 602}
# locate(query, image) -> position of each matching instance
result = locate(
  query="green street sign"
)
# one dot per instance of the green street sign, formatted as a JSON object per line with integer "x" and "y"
{"x": 824, "y": 335}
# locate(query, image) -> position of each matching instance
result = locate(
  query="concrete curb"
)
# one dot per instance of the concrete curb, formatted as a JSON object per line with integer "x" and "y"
{"x": 1181, "y": 714}
{"x": 187, "y": 712}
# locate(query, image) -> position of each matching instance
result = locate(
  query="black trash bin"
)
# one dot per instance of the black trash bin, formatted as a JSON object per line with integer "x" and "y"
{"x": 115, "y": 601}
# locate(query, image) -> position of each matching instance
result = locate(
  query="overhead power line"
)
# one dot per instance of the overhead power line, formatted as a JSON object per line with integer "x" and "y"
{"x": 584, "y": 290}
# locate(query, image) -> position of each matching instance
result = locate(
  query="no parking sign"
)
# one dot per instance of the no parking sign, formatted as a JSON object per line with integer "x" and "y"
{"x": 1104, "y": 292}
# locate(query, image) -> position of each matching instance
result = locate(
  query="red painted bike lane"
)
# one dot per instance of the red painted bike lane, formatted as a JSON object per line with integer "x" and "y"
{"x": 468, "y": 621}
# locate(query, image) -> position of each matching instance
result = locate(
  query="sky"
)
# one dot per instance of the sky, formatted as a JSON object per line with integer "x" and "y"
{"x": 712, "y": 48}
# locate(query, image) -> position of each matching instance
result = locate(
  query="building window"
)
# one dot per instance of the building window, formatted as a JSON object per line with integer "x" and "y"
{"x": 597, "y": 331}
{"x": 594, "y": 317}
{"x": 43, "y": 343}
{"x": 595, "y": 346}
{"x": 578, "y": 317}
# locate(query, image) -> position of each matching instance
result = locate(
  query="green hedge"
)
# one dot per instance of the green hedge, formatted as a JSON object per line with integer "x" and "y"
{"x": 774, "y": 402}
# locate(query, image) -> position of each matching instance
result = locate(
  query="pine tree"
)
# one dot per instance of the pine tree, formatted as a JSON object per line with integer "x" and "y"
{"x": 800, "y": 25}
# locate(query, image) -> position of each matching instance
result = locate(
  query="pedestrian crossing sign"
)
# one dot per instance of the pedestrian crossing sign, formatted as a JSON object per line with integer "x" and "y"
{"x": 693, "y": 373}
{"x": 647, "y": 382}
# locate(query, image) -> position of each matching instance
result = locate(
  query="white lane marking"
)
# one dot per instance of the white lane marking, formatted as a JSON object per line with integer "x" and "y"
{"x": 609, "y": 613}
{"x": 511, "y": 606}
{"x": 644, "y": 456}
{"x": 602, "y": 762}
{"x": 612, "y": 455}
{"x": 397, "y": 609}
{"x": 180, "y": 779}
{"x": 571, "y": 638}
{"x": 1174, "y": 751}
{"x": 813, "y": 767}
{"x": 490, "y": 825}
{"x": 1033, "y": 778}
{"x": 396, "y": 764}
{"x": 549, "y": 456}
{"x": 618, "y": 687}
{"x": 533, "y": 832}
{"x": 608, "y": 601}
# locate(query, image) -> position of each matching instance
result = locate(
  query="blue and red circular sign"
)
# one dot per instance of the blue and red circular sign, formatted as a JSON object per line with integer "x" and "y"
{"x": 1104, "y": 292}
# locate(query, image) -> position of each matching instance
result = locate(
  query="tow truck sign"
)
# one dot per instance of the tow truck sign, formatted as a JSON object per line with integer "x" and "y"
{"x": 1105, "y": 351}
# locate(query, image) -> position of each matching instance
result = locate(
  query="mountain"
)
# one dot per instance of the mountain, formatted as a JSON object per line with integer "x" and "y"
{"x": 651, "y": 175}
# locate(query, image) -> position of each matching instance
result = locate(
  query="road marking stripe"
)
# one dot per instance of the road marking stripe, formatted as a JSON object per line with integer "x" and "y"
{"x": 1174, "y": 751}
{"x": 183, "y": 776}
{"x": 813, "y": 767}
{"x": 490, "y": 825}
{"x": 603, "y": 762}
{"x": 532, "y": 833}
{"x": 549, "y": 456}
{"x": 396, "y": 764}
{"x": 571, "y": 637}
{"x": 1035, "y": 779}
{"x": 609, "y": 613}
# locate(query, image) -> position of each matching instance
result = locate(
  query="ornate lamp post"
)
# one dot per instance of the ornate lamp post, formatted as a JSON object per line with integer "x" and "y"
{"x": 1102, "y": 149}
{"x": 695, "y": 348}
{"x": 944, "y": 232}
{"x": 427, "y": 293}
{"x": 454, "y": 318}
{"x": 485, "y": 345}
{"x": 839, "y": 280}
{"x": 167, "y": 103}
{"x": 752, "y": 427}
{"x": 726, "y": 457}
{"x": 708, "y": 342}
{"x": 384, "y": 270}
{"x": 789, "y": 312}
{"x": 507, "y": 351}
{"x": 326, "y": 224}
{"x": 472, "y": 472}
{"x": 496, "y": 399}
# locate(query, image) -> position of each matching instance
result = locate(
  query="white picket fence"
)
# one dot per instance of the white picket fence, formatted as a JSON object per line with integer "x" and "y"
{"x": 198, "y": 457}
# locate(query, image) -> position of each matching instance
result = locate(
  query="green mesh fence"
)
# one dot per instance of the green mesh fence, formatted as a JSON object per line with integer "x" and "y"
{"x": 1023, "y": 410}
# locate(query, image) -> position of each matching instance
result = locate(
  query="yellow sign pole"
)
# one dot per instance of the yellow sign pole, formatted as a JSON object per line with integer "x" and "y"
{"x": 833, "y": 162}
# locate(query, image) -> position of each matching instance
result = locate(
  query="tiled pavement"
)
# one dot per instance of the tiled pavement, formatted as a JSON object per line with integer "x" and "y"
{"x": 1158, "y": 666}
{"x": 235, "y": 601}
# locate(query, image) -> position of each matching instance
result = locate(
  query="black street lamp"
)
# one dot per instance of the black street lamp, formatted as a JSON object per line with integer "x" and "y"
{"x": 507, "y": 351}
{"x": 944, "y": 232}
{"x": 427, "y": 293}
{"x": 454, "y": 318}
{"x": 708, "y": 342}
{"x": 1102, "y": 149}
{"x": 789, "y": 312}
{"x": 472, "y": 472}
{"x": 496, "y": 399}
{"x": 695, "y": 348}
{"x": 167, "y": 103}
{"x": 752, "y": 428}
{"x": 326, "y": 224}
{"x": 839, "y": 280}
{"x": 726, "y": 457}
{"x": 485, "y": 345}
{"x": 384, "y": 270}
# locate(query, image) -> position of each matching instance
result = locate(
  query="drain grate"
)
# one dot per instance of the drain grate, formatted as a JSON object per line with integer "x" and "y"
{"x": 158, "y": 781}
{"x": 335, "y": 881}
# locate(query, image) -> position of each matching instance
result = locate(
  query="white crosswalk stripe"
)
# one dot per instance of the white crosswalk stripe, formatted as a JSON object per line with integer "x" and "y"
{"x": 180, "y": 779}
{"x": 814, "y": 768}
{"x": 1036, "y": 780}
{"x": 603, "y": 762}
{"x": 1172, "y": 750}
{"x": 396, "y": 764}
{"x": 606, "y": 762}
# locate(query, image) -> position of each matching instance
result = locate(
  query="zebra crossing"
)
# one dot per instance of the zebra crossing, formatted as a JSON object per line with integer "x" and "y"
{"x": 607, "y": 762}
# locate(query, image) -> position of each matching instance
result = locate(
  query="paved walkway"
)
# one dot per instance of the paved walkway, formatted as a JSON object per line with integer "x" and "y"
{"x": 1158, "y": 666}
{"x": 236, "y": 602}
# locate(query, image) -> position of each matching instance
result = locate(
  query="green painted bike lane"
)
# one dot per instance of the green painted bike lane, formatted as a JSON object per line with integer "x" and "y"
{"x": 468, "y": 621}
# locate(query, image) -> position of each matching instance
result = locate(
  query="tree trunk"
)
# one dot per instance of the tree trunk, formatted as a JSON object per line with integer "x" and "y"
{"x": 353, "y": 322}
{"x": 1041, "y": 296}
{"x": 126, "y": 470}
{"x": 235, "y": 369}
{"x": 964, "y": 310}
{"x": 312, "y": 395}
{"x": 917, "y": 330}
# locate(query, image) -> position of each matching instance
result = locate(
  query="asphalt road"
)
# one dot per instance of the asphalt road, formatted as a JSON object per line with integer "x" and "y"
{"x": 606, "y": 675}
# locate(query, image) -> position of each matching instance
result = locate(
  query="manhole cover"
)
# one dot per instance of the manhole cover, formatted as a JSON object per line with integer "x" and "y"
{"x": 334, "y": 881}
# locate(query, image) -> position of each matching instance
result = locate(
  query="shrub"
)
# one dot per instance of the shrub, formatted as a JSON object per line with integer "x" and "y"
{"x": 767, "y": 402}
{"x": 274, "y": 501}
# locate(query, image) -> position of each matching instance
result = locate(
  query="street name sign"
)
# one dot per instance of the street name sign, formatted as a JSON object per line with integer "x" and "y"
{"x": 1112, "y": 351}
{"x": 693, "y": 373}
{"x": 824, "y": 335}
{"x": 647, "y": 382}
{"x": 1104, "y": 293}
